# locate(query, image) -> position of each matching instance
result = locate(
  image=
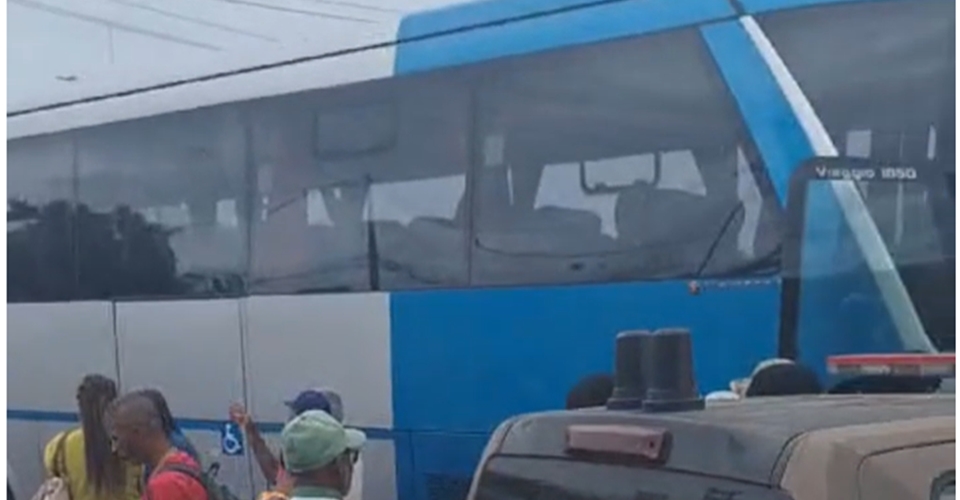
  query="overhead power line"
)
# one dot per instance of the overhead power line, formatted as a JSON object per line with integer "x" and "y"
{"x": 194, "y": 20}
{"x": 31, "y": 4}
{"x": 302, "y": 12}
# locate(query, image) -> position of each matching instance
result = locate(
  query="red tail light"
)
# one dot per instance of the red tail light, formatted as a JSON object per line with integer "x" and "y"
{"x": 944, "y": 365}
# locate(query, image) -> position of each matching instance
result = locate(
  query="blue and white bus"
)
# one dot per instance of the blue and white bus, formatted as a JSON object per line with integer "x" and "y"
{"x": 451, "y": 228}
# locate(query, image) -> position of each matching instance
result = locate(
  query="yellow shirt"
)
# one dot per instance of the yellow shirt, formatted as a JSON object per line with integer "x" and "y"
{"x": 76, "y": 472}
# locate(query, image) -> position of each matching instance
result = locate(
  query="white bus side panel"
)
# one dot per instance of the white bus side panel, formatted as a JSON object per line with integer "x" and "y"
{"x": 52, "y": 347}
{"x": 337, "y": 341}
{"x": 191, "y": 351}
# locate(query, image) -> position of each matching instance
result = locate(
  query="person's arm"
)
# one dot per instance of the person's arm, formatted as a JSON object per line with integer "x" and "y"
{"x": 269, "y": 465}
{"x": 284, "y": 483}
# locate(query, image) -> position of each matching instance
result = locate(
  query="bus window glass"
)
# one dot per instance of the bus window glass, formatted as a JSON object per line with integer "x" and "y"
{"x": 40, "y": 198}
{"x": 840, "y": 303}
{"x": 355, "y": 130}
{"x": 880, "y": 75}
{"x": 616, "y": 161}
{"x": 307, "y": 236}
{"x": 164, "y": 188}
{"x": 514, "y": 478}
{"x": 382, "y": 211}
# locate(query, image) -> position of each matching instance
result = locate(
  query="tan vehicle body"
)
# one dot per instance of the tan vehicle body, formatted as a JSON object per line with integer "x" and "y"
{"x": 887, "y": 461}
{"x": 854, "y": 447}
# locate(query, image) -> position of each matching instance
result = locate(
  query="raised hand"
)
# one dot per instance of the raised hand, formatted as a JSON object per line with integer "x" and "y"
{"x": 240, "y": 416}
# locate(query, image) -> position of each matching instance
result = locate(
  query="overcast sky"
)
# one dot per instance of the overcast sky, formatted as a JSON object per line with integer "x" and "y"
{"x": 67, "y": 45}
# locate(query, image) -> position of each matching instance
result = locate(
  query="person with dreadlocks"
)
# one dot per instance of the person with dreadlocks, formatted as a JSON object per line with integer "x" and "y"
{"x": 174, "y": 434}
{"x": 137, "y": 434}
{"x": 83, "y": 458}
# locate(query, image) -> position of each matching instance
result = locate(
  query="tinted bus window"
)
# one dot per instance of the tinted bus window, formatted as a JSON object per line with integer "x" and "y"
{"x": 610, "y": 162}
{"x": 40, "y": 260}
{"x": 149, "y": 208}
{"x": 173, "y": 187}
{"x": 878, "y": 74}
{"x": 361, "y": 187}
{"x": 509, "y": 478}
{"x": 616, "y": 161}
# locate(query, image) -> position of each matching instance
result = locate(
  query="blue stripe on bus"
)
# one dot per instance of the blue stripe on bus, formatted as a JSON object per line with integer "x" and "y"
{"x": 762, "y": 6}
{"x": 187, "y": 424}
{"x": 776, "y": 131}
{"x": 576, "y": 27}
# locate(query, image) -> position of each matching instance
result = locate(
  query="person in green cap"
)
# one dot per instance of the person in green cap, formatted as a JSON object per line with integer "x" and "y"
{"x": 319, "y": 452}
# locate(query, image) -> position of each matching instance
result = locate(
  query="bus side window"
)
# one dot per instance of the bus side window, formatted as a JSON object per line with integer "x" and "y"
{"x": 611, "y": 111}
{"x": 39, "y": 193}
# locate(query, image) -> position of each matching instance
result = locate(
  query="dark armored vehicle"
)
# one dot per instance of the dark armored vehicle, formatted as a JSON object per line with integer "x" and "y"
{"x": 657, "y": 440}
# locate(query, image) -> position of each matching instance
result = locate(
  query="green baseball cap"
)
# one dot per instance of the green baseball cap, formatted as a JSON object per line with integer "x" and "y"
{"x": 314, "y": 439}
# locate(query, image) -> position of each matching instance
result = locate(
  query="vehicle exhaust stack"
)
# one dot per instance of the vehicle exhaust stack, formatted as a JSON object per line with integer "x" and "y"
{"x": 629, "y": 389}
{"x": 666, "y": 360}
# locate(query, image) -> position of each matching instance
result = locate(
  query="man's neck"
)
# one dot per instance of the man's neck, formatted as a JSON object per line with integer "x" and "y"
{"x": 314, "y": 491}
{"x": 157, "y": 453}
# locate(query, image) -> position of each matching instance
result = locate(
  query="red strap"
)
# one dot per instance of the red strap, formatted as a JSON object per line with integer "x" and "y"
{"x": 191, "y": 472}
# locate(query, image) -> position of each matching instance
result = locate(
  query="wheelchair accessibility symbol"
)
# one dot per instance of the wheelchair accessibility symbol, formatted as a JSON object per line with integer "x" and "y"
{"x": 231, "y": 439}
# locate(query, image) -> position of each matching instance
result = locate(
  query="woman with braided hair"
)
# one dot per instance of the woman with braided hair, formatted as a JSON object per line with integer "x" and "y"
{"x": 83, "y": 457}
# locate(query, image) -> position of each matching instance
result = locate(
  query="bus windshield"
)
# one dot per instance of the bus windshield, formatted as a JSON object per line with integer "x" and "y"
{"x": 916, "y": 221}
{"x": 836, "y": 301}
{"x": 871, "y": 264}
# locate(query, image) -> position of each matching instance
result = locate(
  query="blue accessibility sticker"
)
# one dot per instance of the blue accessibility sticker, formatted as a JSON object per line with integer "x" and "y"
{"x": 231, "y": 439}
